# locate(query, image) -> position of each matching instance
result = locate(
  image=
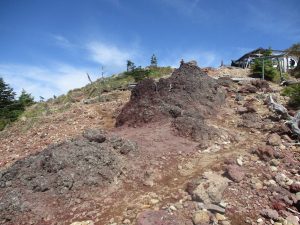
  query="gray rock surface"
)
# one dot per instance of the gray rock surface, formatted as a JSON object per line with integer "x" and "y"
{"x": 210, "y": 188}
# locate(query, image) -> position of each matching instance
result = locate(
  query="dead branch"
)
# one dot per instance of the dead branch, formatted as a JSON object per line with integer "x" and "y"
{"x": 278, "y": 108}
{"x": 95, "y": 88}
{"x": 293, "y": 211}
{"x": 289, "y": 82}
{"x": 292, "y": 122}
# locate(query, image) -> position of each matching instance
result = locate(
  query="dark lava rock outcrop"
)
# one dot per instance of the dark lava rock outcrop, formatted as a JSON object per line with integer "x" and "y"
{"x": 186, "y": 98}
{"x": 63, "y": 170}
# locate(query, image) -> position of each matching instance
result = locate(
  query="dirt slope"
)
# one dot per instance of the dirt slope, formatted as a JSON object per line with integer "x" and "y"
{"x": 166, "y": 171}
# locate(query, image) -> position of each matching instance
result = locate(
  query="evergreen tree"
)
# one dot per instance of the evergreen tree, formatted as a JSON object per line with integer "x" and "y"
{"x": 26, "y": 99}
{"x": 7, "y": 95}
{"x": 10, "y": 109}
{"x": 269, "y": 71}
{"x": 140, "y": 74}
{"x": 153, "y": 61}
{"x": 130, "y": 66}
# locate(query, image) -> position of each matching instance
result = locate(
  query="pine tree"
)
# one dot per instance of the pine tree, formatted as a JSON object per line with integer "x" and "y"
{"x": 153, "y": 61}
{"x": 10, "y": 109}
{"x": 130, "y": 66}
{"x": 270, "y": 72}
{"x": 26, "y": 99}
{"x": 7, "y": 95}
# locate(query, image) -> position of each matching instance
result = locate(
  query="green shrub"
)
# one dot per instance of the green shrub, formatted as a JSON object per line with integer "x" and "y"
{"x": 10, "y": 108}
{"x": 293, "y": 92}
{"x": 26, "y": 99}
{"x": 139, "y": 74}
{"x": 270, "y": 72}
{"x": 3, "y": 123}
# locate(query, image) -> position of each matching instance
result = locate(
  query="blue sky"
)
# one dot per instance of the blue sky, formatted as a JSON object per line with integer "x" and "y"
{"x": 46, "y": 47}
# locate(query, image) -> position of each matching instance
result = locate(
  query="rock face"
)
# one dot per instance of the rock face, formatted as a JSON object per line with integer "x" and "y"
{"x": 187, "y": 98}
{"x": 61, "y": 169}
{"x": 152, "y": 217}
{"x": 94, "y": 135}
{"x": 210, "y": 188}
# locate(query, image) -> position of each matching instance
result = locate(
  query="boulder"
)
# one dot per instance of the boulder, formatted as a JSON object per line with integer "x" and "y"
{"x": 94, "y": 135}
{"x": 295, "y": 187}
{"x": 270, "y": 214}
{"x": 210, "y": 188}
{"x": 235, "y": 173}
{"x": 201, "y": 217}
{"x": 265, "y": 152}
{"x": 274, "y": 139}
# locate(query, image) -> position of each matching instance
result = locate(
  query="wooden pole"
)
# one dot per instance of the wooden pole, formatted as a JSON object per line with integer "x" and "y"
{"x": 263, "y": 69}
{"x": 279, "y": 64}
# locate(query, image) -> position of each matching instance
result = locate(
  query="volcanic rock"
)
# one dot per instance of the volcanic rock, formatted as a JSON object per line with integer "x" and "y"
{"x": 235, "y": 173}
{"x": 188, "y": 97}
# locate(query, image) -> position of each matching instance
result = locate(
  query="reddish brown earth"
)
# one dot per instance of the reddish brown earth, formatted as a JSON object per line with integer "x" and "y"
{"x": 165, "y": 161}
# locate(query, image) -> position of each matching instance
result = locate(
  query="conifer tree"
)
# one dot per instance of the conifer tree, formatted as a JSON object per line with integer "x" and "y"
{"x": 130, "y": 66}
{"x": 7, "y": 95}
{"x": 153, "y": 61}
{"x": 26, "y": 99}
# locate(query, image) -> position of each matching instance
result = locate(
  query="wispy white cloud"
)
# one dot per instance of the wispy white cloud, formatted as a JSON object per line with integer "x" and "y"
{"x": 62, "y": 41}
{"x": 110, "y": 55}
{"x": 42, "y": 81}
{"x": 59, "y": 78}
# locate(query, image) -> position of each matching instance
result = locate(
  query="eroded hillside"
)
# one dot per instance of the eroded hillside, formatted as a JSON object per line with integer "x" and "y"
{"x": 188, "y": 149}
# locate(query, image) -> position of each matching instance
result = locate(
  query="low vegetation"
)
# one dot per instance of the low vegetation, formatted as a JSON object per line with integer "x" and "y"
{"x": 270, "y": 72}
{"x": 121, "y": 81}
{"x": 293, "y": 92}
{"x": 10, "y": 107}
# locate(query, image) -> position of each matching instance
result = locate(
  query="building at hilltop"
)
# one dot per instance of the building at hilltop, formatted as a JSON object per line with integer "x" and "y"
{"x": 282, "y": 59}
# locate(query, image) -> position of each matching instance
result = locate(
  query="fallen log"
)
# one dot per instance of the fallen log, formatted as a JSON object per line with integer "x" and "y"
{"x": 289, "y": 82}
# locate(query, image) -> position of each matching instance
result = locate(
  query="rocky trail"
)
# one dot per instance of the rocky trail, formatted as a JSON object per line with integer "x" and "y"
{"x": 188, "y": 149}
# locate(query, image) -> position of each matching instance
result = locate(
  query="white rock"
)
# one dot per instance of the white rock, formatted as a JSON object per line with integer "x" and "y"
{"x": 154, "y": 201}
{"x": 239, "y": 161}
{"x": 259, "y": 220}
{"x": 173, "y": 208}
{"x": 87, "y": 222}
{"x": 272, "y": 182}
{"x": 126, "y": 221}
{"x": 289, "y": 182}
{"x": 273, "y": 168}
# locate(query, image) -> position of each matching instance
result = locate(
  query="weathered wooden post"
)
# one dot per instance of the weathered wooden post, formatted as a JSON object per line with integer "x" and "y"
{"x": 280, "y": 71}
{"x": 263, "y": 69}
